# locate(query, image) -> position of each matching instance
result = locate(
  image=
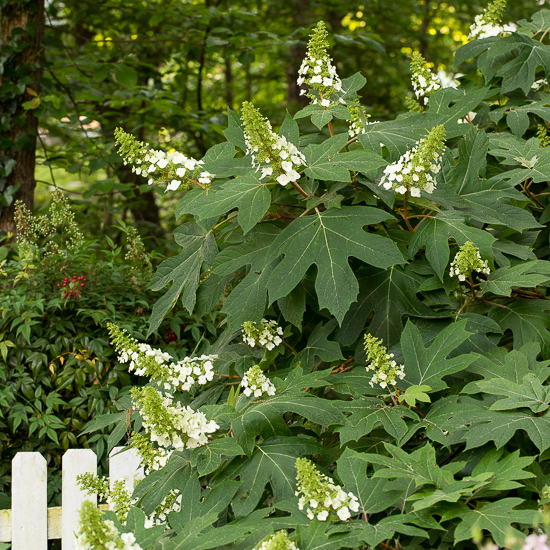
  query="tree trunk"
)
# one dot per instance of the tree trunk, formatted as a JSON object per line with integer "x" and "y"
{"x": 22, "y": 47}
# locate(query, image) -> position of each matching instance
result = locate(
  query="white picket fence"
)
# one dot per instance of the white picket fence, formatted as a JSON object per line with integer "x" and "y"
{"x": 30, "y": 523}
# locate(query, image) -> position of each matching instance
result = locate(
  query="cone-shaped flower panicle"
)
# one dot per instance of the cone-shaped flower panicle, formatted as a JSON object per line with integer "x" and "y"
{"x": 317, "y": 70}
{"x": 386, "y": 370}
{"x": 467, "y": 260}
{"x": 319, "y": 495}
{"x": 274, "y": 155}
{"x": 416, "y": 169}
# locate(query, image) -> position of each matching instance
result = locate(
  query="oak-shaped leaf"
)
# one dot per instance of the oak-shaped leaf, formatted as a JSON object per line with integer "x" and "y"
{"x": 390, "y": 294}
{"x": 500, "y": 427}
{"x": 182, "y": 271}
{"x": 429, "y": 365}
{"x": 496, "y": 518}
{"x": 247, "y": 193}
{"x": 530, "y": 393}
{"x": 528, "y": 320}
{"x": 324, "y": 162}
{"x": 523, "y": 275}
{"x": 318, "y": 345}
{"x": 366, "y": 413}
{"x": 328, "y": 239}
{"x": 434, "y": 235}
{"x": 517, "y": 70}
{"x": 273, "y": 462}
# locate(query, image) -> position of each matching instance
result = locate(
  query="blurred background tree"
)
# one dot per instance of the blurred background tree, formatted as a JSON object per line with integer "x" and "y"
{"x": 167, "y": 71}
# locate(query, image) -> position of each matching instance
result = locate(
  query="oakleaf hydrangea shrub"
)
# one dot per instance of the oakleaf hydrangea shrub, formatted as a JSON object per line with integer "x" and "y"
{"x": 380, "y": 378}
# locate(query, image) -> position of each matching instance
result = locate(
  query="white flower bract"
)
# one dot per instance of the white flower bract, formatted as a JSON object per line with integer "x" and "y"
{"x": 256, "y": 383}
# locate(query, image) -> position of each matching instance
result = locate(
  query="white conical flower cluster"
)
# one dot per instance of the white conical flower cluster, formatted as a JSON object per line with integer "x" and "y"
{"x": 272, "y": 154}
{"x": 173, "y": 169}
{"x": 171, "y": 424}
{"x": 268, "y": 334}
{"x": 278, "y": 541}
{"x": 386, "y": 370}
{"x": 95, "y": 533}
{"x": 489, "y": 23}
{"x": 256, "y": 383}
{"x": 468, "y": 259}
{"x": 317, "y": 70}
{"x": 320, "y": 497}
{"x": 416, "y": 169}
{"x": 145, "y": 360}
{"x": 423, "y": 80}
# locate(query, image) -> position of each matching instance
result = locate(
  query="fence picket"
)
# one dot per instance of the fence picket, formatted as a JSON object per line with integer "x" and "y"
{"x": 29, "y": 502}
{"x": 75, "y": 462}
{"x": 125, "y": 466}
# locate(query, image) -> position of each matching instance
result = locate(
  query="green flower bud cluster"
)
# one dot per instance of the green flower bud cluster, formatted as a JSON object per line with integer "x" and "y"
{"x": 278, "y": 541}
{"x": 416, "y": 169}
{"x": 97, "y": 534}
{"x": 324, "y": 499}
{"x": 271, "y": 153}
{"x": 359, "y": 120}
{"x": 317, "y": 70}
{"x": 268, "y": 334}
{"x": 256, "y": 383}
{"x": 468, "y": 259}
{"x": 424, "y": 82}
{"x": 174, "y": 169}
{"x": 118, "y": 498}
{"x": 386, "y": 370}
{"x": 59, "y": 221}
{"x": 170, "y": 424}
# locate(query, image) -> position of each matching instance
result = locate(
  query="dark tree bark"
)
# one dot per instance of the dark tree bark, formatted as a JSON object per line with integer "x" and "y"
{"x": 22, "y": 41}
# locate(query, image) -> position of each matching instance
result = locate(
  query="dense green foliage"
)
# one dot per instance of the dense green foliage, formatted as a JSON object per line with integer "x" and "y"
{"x": 449, "y": 272}
{"x": 170, "y": 69}
{"x": 57, "y": 370}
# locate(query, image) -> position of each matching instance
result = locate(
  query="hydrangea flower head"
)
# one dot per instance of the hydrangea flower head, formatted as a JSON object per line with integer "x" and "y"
{"x": 489, "y": 23}
{"x": 173, "y": 169}
{"x": 416, "y": 169}
{"x": 320, "y": 496}
{"x": 267, "y": 334}
{"x": 278, "y": 541}
{"x": 256, "y": 383}
{"x": 156, "y": 364}
{"x": 468, "y": 259}
{"x": 423, "y": 80}
{"x": 94, "y": 532}
{"x": 386, "y": 370}
{"x": 171, "y": 424}
{"x": 271, "y": 153}
{"x": 317, "y": 70}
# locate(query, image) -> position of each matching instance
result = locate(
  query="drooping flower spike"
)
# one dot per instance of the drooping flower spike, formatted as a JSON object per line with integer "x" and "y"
{"x": 174, "y": 170}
